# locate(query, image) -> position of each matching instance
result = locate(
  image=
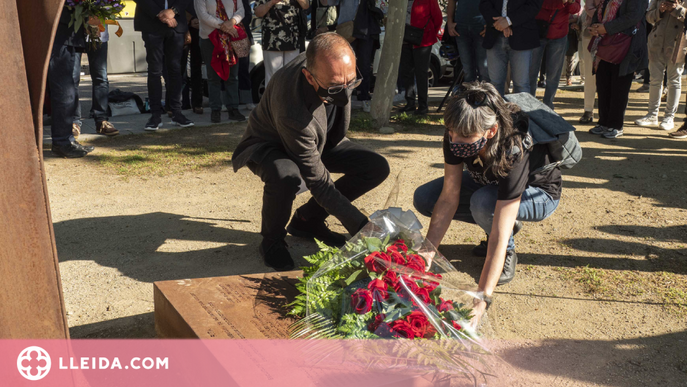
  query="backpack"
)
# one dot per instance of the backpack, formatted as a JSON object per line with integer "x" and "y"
{"x": 547, "y": 127}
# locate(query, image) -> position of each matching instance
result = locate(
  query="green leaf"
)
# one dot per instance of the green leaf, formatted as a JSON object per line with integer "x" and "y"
{"x": 353, "y": 277}
{"x": 373, "y": 275}
{"x": 373, "y": 244}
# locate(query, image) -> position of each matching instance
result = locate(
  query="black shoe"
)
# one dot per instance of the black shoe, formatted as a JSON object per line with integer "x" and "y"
{"x": 235, "y": 115}
{"x": 216, "y": 116}
{"x": 277, "y": 257}
{"x": 314, "y": 230}
{"x": 181, "y": 120}
{"x": 587, "y": 118}
{"x": 481, "y": 249}
{"x": 73, "y": 150}
{"x": 153, "y": 124}
{"x": 198, "y": 110}
{"x": 421, "y": 112}
{"x": 508, "y": 268}
{"x": 409, "y": 108}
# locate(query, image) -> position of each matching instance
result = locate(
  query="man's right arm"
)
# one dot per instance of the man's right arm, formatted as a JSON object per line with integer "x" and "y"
{"x": 301, "y": 145}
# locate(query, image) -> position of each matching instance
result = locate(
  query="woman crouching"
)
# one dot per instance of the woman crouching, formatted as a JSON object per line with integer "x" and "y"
{"x": 500, "y": 186}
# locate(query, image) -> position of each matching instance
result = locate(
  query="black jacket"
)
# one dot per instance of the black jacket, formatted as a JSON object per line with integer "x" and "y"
{"x": 65, "y": 35}
{"x": 367, "y": 18}
{"x": 145, "y": 19}
{"x": 630, "y": 13}
{"x": 521, "y": 13}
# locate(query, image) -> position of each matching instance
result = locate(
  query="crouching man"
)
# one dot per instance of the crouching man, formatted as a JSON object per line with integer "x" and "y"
{"x": 298, "y": 131}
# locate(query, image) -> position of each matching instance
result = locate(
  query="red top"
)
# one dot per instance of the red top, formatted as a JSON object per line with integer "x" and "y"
{"x": 559, "y": 27}
{"x": 427, "y": 12}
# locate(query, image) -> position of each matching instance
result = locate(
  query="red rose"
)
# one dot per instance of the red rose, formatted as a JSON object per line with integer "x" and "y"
{"x": 379, "y": 319}
{"x": 445, "y": 306}
{"x": 403, "y": 329}
{"x": 361, "y": 301}
{"x": 410, "y": 283}
{"x": 456, "y": 325}
{"x": 400, "y": 245}
{"x": 397, "y": 258}
{"x": 423, "y": 294}
{"x": 378, "y": 289}
{"x": 420, "y": 325}
{"x": 416, "y": 263}
{"x": 430, "y": 285}
{"x": 391, "y": 279}
{"x": 437, "y": 276}
{"x": 377, "y": 262}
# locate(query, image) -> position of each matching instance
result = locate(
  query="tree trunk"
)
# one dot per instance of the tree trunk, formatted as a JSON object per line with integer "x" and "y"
{"x": 387, "y": 73}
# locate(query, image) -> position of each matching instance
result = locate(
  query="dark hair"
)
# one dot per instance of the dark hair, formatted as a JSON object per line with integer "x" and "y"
{"x": 329, "y": 43}
{"x": 476, "y": 109}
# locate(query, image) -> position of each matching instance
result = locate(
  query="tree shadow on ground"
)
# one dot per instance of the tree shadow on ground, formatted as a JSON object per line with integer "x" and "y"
{"x": 645, "y": 361}
{"x": 163, "y": 246}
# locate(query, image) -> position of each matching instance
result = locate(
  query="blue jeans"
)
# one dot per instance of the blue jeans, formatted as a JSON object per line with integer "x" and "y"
{"x": 498, "y": 58}
{"x": 63, "y": 98}
{"x": 97, "y": 65}
{"x": 477, "y": 203}
{"x": 220, "y": 92}
{"x": 554, "y": 49}
{"x": 472, "y": 55}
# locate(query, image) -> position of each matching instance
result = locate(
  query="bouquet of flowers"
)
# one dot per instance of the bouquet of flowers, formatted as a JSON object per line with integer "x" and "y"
{"x": 103, "y": 10}
{"x": 388, "y": 282}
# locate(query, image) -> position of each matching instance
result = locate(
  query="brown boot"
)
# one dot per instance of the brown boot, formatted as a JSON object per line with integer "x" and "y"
{"x": 106, "y": 128}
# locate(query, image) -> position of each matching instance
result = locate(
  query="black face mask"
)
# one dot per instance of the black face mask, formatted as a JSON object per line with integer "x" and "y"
{"x": 339, "y": 99}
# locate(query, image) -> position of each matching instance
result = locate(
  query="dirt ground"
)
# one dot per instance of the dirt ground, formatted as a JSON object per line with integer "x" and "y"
{"x": 600, "y": 295}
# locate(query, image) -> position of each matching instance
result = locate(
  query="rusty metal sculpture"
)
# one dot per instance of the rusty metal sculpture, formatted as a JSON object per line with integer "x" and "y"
{"x": 31, "y": 302}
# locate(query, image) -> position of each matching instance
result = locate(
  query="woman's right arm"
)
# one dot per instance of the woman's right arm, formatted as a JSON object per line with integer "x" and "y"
{"x": 445, "y": 208}
{"x": 204, "y": 16}
{"x": 262, "y": 9}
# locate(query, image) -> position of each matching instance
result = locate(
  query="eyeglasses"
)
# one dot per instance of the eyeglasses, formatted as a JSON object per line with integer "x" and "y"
{"x": 339, "y": 88}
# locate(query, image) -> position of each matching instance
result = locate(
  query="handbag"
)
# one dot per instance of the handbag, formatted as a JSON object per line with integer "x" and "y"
{"x": 346, "y": 30}
{"x": 543, "y": 26}
{"x": 413, "y": 35}
{"x": 613, "y": 48}
{"x": 240, "y": 44}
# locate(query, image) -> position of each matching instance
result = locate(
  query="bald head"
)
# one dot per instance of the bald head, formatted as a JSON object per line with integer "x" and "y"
{"x": 328, "y": 47}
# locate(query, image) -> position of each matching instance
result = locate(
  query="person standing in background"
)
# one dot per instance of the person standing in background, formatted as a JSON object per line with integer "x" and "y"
{"x": 245, "y": 86}
{"x": 97, "y": 66}
{"x": 414, "y": 65}
{"x": 280, "y": 32}
{"x": 63, "y": 97}
{"x": 194, "y": 86}
{"x": 468, "y": 26}
{"x": 666, "y": 56}
{"x": 510, "y": 38}
{"x": 573, "y": 46}
{"x": 163, "y": 25}
{"x": 553, "y": 23}
{"x": 210, "y": 20}
{"x": 590, "y": 8}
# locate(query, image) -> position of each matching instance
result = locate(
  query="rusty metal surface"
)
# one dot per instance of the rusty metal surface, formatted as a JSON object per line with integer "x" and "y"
{"x": 31, "y": 303}
{"x": 234, "y": 307}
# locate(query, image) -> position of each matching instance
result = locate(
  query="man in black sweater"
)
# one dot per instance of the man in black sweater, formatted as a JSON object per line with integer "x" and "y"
{"x": 163, "y": 25}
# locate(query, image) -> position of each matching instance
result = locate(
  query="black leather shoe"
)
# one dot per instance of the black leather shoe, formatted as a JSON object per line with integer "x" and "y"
{"x": 216, "y": 116}
{"x": 421, "y": 111}
{"x": 314, "y": 230}
{"x": 481, "y": 249}
{"x": 508, "y": 268}
{"x": 277, "y": 257}
{"x": 73, "y": 150}
{"x": 409, "y": 108}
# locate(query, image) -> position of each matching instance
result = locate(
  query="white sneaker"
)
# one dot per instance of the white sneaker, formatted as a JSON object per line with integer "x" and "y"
{"x": 667, "y": 123}
{"x": 647, "y": 121}
{"x": 367, "y": 105}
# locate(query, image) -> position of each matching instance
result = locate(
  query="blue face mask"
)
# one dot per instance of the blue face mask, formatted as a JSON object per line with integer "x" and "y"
{"x": 467, "y": 150}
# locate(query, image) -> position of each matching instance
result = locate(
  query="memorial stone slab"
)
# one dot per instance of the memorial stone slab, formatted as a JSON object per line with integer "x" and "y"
{"x": 235, "y": 307}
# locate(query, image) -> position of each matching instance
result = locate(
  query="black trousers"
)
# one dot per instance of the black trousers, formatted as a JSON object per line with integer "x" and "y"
{"x": 613, "y": 92}
{"x": 365, "y": 53}
{"x": 194, "y": 85}
{"x": 414, "y": 67}
{"x": 164, "y": 48}
{"x": 363, "y": 170}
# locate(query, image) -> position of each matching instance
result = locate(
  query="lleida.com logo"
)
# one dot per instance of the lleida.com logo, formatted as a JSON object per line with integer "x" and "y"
{"x": 34, "y": 363}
